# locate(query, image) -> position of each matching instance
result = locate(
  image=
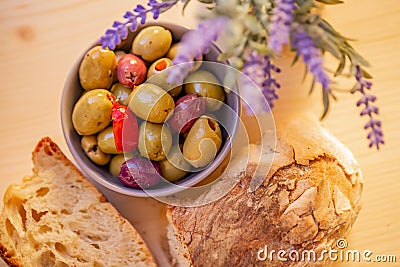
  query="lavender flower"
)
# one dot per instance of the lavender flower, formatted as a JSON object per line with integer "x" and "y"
{"x": 312, "y": 56}
{"x": 193, "y": 45}
{"x": 281, "y": 21}
{"x": 119, "y": 30}
{"x": 375, "y": 134}
{"x": 260, "y": 69}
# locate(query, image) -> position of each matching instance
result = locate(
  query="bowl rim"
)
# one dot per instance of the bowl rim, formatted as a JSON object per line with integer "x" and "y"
{"x": 97, "y": 178}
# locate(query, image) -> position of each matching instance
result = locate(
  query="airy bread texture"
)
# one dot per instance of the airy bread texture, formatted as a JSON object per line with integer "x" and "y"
{"x": 309, "y": 199}
{"x": 57, "y": 218}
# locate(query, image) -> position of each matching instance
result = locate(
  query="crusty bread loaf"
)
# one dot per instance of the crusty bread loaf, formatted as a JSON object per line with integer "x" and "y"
{"x": 309, "y": 199}
{"x": 57, "y": 218}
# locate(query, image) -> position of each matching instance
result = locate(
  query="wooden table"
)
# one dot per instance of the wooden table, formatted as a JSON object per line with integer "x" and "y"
{"x": 40, "y": 41}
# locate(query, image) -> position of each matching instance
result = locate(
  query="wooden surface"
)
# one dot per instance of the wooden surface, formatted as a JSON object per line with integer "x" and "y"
{"x": 40, "y": 40}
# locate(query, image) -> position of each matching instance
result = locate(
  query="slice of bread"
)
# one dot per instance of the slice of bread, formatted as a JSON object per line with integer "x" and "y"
{"x": 56, "y": 217}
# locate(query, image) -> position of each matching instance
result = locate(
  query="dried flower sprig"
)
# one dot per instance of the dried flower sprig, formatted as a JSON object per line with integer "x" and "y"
{"x": 311, "y": 55}
{"x": 264, "y": 27}
{"x": 261, "y": 71}
{"x": 192, "y": 47}
{"x": 375, "y": 134}
{"x": 306, "y": 48}
{"x": 119, "y": 30}
{"x": 281, "y": 21}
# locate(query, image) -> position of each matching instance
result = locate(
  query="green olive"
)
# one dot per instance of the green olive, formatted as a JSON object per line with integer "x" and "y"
{"x": 160, "y": 78}
{"x": 150, "y": 102}
{"x": 92, "y": 112}
{"x": 119, "y": 54}
{"x": 158, "y": 66}
{"x": 97, "y": 69}
{"x": 121, "y": 93}
{"x": 116, "y": 162}
{"x": 203, "y": 142}
{"x": 173, "y": 51}
{"x": 205, "y": 84}
{"x": 106, "y": 141}
{"x": 90, "y": 146}
{"x": 152, "y": 43}
{"x": 174, "y": 167}
{"x": 155, "y": 141}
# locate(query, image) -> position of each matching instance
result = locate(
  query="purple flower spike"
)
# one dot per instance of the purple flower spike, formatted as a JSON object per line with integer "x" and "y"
{"x": 375, "y": 134}
{"x": 260, "y": 70}
{"x": 312, "y": 56}
{"x": 281, "y": 21}
{"x": 119, "y": 31}
{"x": 192, "y": 45}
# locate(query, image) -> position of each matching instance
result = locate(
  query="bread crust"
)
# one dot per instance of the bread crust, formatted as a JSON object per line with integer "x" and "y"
{"x": 51, "y": 149}
{"x": 8, "y": 258}
{"x": 49, "y": 162}
{"x": 309, "y": 199}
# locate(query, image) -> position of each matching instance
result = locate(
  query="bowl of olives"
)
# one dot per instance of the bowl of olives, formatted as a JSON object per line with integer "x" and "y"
{"x": 135, "y": 133}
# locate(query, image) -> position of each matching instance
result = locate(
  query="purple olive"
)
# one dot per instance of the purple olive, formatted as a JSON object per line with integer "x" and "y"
{"x": 131, "y": 70}
{"x": 140, "y": 173}
{"x": 188, "y": 108}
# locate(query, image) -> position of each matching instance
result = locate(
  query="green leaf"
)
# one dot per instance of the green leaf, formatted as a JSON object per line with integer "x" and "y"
{"x": 224, "y": 56}
{"x": 260, "y": 47}
{"x": 325, "y": 38}
{"x": 263, "y": 18}
{"x": 327, "y": 26}
{"x": 241, "y": 46}
{"x": 332, "y": 48}
{"x": 330, "y": 2}
{"x": 305, "y": 73}
{"x": 353, "y": 69}
{"x": 253, "y": 25}
{"x": 366, "y": 74}
{"x": 340, "y": 67}
{"x": 312, "y": 86}
{"x": 332, "y": 95}
{"x": 331, "y": 40}
{"x": 305, "y": 6}
{"x": 295, "y": 59}
{"x": 184, "y": 6}
{"x": 354, "y": 88}
{"x": 354, "y": 56}
{"x": 206, "y": 1}
{"x": 325, "y": 101}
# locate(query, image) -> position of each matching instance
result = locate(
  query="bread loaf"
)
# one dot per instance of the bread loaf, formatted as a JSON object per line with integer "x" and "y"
{"x": 57, "y": 218}
{"x": 309, "y": 199}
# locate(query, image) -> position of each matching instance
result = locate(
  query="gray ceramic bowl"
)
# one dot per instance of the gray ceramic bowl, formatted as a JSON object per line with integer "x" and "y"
{"x": 100, "y": 175}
